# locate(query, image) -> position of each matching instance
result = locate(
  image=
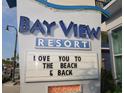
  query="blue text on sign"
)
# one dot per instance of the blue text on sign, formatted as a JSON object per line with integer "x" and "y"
{"x": 80, "y": 31}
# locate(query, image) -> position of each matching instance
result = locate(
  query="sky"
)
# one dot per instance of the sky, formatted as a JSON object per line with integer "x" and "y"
{"x": 8, "y": 37}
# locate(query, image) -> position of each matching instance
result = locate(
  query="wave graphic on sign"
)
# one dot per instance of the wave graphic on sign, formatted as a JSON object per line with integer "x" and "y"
{"x": 74, "y": 7}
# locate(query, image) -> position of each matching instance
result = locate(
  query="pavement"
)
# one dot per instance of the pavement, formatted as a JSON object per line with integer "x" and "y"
{"x": 10, "y": 87}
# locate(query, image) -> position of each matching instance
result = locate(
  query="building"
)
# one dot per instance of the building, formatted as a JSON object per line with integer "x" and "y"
{"x": 113, "y": 26}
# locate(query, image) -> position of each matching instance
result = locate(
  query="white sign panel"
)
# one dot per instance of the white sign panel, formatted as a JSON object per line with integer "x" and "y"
{"x": 50, "y": 66}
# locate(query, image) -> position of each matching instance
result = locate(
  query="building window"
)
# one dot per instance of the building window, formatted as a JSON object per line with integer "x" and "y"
{"x": 104, "y": 39}
{"x": 117, "y": 51}
{"x": 117, "y": 40}
{"x": 106, "y": 63}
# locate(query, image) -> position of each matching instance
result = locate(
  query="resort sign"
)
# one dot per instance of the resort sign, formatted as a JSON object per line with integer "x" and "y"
{"x": 59, "y": 41}
{"x": 59, "y": 44}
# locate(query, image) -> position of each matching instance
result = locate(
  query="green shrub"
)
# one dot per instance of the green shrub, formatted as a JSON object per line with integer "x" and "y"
{"x": 107, "y": 82}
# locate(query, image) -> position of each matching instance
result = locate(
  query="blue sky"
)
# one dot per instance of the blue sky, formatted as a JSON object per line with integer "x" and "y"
{"x": 8, "y": 37}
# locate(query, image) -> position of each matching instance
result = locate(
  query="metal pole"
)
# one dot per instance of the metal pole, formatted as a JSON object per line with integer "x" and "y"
{"x": 15, "y": 51}
{"x": 14, "y": 62}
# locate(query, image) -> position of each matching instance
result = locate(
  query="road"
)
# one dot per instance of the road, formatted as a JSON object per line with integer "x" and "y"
{"x": 10, "y": 88}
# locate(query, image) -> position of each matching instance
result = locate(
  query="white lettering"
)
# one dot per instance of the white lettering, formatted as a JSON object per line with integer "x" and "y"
{"x": 50, "y": 43}
{"x": 58, "y": 44}
{"x": 76, "y": 44}
{"x": 40, "y": 42}
{"x": 67, "y": 43}
{"x": 84, "y": 43}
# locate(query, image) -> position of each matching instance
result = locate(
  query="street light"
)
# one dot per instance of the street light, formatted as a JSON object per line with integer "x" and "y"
{"x": 15, "y": 50}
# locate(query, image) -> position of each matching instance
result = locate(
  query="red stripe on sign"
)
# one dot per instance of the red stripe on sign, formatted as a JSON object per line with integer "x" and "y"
{"x": 64, "y": 89}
